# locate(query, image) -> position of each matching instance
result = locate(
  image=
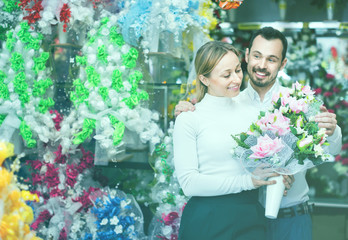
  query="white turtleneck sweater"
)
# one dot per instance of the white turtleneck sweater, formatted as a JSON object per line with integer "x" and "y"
{"x": 202, "y": 148}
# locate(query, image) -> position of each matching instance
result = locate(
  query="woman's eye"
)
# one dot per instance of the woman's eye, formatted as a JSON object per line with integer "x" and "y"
{"x": 227, "y": 76}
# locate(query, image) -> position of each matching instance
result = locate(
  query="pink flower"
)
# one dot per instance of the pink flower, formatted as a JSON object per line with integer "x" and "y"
{"x": 336, "y": 90}
{"x": 71, "y": 173}
{"x": 330, "y": 76}
{"x": 297, "y": 86}
{"x": 338, "y": 158}
{"x": 169, "y": 219}
{"x": 275, "y": 122}
{"x": 328, "y": 94}
{"x": 266, "y": 147}
{"x": 43, "y": 216}
{"x": 36, "y": 178}
{"x": 55, "y": 192}
{"x": 298, "y": 106}
{"x": 60, "y": 158}
{"x": 318, "y": 90}
{"x": 283, "y": 93}
{"x": 51, "y": 176}
{"x": 305, "y": 142}
{"x": 307, "y": 90}
{"x": 345, "y": 103}
{"x": 345, "y": 146}
{"x": 344, "y": 161}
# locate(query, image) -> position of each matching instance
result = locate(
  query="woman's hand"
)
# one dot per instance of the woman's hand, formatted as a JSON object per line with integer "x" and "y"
{"x": 259, "y": 183}
{"x": 261, "y": 173}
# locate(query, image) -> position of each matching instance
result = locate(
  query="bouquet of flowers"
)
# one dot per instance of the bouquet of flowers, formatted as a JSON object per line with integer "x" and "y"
{"x": 118, "y": 216}
{"x": 286, "y": 138}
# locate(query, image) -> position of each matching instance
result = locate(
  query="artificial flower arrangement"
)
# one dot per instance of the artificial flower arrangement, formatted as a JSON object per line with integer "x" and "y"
{"x": 286, "y": 138}
{"x": 166, "y": 26}
{"x": 118, "y": 216}
{"x": 15, "y": 211}
{"x": 107, "y": 94}
{"x": 229, "y": 4}
{"x": 167, "y": 198}
{"x": 9, "y": 14}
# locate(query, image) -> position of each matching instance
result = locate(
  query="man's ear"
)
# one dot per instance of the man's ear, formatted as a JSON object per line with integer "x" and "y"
{"x": 204, "y": 80}
{"x": 282, "y": 66}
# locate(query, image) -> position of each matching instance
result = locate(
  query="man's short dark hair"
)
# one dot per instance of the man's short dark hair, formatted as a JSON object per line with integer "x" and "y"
{"x": 270, "y": 33}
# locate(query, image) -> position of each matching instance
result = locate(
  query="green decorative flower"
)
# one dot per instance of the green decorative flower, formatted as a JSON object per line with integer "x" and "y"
{"x": 115, "y": 37}
{"x": 92, "y": 76}
{"x": 130, "y": 58}
{"x": 40, "y": 87}
{"x": 80, "y": 94}
{"x": 116, "y": 79}
{"x": 17, "y": 62}
{"x": 87, "y": 130}
{"x": 40, "y": 62}
{"x": 27, "y": 135}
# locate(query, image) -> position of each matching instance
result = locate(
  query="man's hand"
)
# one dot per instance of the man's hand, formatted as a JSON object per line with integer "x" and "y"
{"x": 326, "y": 120}
{"x": 183, "y": 106}
{"x": 288, "y": 180}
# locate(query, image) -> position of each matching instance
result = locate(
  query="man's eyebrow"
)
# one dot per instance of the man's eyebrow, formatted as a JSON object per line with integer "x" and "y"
{"x": 270, "y": 56}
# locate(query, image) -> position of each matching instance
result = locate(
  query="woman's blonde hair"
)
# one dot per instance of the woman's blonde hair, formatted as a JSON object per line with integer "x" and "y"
{"x": 207, "y": 57}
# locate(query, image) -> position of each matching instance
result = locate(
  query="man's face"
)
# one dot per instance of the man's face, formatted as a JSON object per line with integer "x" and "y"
{"x": 264, "y": 61}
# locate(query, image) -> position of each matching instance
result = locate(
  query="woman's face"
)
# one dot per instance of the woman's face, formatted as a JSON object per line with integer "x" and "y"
{"x": 226, "y": 77}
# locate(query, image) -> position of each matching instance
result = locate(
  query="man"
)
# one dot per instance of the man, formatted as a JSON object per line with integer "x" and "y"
{"x": 265, "y": 57}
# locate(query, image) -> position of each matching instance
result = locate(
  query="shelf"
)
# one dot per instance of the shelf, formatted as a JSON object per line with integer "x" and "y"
{"x": 325, "y": 28}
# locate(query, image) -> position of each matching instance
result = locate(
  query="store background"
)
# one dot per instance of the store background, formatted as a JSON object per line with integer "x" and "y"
{"x": 318, "y": 55}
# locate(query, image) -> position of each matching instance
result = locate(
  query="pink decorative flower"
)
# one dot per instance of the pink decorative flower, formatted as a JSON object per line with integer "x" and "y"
{"x": 275, "y": 122}
{"x": 305, "y": 142}
{"x": 318, "y": 90}
{"x": 307, "y": 91}
{"x": 298, "y": 106}
{"x": 328, "y": 94}
{"x": 330, "y": 76}
{"x": 283, "y": 93}
{"x": 336, "y": 90}
{"x": 266, "y": 147}
{"x": 170, "y": 217}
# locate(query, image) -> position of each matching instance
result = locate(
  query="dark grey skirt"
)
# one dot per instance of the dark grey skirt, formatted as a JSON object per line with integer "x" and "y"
{"x": 228, "y": 217}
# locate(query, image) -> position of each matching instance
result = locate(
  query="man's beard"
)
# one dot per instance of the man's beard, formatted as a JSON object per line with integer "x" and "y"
{"x": 260, "y": 83}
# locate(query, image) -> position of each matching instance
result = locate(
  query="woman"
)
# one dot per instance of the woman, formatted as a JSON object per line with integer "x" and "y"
{"x": 224, "y": 203}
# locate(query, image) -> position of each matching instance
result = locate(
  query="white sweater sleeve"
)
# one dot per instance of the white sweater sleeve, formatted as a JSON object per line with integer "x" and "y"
{"x": 191, "y": 180}
{"x": 335, "y": 141}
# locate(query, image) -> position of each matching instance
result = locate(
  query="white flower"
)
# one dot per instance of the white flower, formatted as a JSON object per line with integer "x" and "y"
{"x": 114, "y": 220}
{"x": 124, "y": 203}
{"x": 118, "y": 229}
{"x": 167, "y": 231}
{"x": 318, "y": 150}
{"x": 284, "y": 109}
{"x": 104, "y": 221}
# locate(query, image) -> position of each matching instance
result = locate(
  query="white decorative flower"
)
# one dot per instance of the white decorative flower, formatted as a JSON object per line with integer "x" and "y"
{"x": 114, "y": 220}
{"x": 118, "y": 229}
{"x": 104, "y": 221}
